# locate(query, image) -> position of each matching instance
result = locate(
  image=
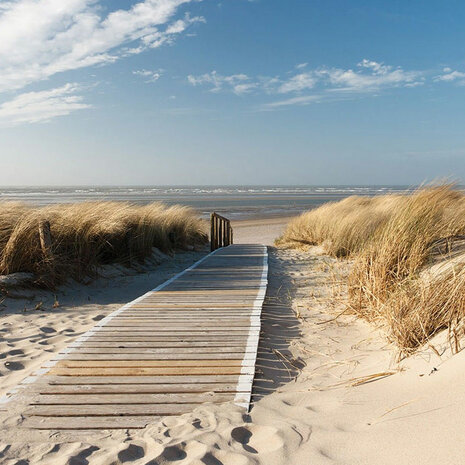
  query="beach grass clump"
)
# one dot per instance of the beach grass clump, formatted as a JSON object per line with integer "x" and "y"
{"x": 342, "y": 228}
{"x": 394, "y": 241}
{"x": 90, "y": 234}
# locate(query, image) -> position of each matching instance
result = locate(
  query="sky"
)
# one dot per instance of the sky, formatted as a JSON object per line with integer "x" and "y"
{"x": 189, "y": 92}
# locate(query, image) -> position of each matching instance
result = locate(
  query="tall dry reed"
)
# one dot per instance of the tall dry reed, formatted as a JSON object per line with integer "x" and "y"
{"x": 392, "y": 239}
{"x": 86, "y": 235}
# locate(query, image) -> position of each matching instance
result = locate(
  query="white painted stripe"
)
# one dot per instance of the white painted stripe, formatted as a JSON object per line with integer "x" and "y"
{"x": 253, "y": 337}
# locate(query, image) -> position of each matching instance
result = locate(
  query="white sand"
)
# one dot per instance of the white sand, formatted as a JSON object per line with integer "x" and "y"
{"x": 263, "y": 231}
{"x": 306, "y": 410}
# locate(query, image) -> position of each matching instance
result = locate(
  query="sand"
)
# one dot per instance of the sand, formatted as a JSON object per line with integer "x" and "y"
{"x": 328, "y": 388}
{"x": 264, "y": 231}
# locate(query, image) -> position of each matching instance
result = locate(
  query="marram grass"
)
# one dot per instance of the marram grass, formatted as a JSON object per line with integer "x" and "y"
{"x": 392, "y": 240}
{"x": 86, "y": 235}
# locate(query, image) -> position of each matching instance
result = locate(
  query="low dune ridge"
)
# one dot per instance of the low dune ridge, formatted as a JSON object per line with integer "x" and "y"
{"x": 393, "y": 241}
{"x": 89, "y": 234}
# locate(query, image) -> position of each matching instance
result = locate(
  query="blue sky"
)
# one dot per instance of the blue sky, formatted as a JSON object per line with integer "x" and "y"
{"x": 231, "y": 92}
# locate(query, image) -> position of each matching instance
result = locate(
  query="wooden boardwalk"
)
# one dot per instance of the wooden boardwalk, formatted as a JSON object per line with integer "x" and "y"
{"x": 192, "y": 340}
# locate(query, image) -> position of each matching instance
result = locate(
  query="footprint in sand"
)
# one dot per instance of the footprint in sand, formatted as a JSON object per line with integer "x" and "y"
{"x": 243, "y": 435}
{"x": 173, "y": 453}
{"x": 16, "y": 352}
{"x": 14, "y": 366}
{"x": 131, "y": 454}
{"x": 98, "y": 317}
{"x": 81, "y": 458}
{"x": 258, "y": 439}
{"x": 48, "y": 329}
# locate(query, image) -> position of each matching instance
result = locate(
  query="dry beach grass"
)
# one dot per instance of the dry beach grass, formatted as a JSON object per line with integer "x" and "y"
{"x": 86, "y": 235}
{"x": 393, "y": 241}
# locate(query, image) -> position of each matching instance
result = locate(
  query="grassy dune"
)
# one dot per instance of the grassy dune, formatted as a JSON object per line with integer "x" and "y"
{"x": 86, "y": 235}
{"x": 393, "y": 241}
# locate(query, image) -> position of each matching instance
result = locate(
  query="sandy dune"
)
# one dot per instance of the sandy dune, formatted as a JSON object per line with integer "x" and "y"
{"x": 328, "y": 389}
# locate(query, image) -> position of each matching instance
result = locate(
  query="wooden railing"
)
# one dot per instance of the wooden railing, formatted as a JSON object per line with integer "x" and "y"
{"x": 221, "y": 232}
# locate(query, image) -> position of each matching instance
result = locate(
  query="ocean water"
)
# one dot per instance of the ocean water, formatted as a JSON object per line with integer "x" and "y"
{"x": 235, "y": 202}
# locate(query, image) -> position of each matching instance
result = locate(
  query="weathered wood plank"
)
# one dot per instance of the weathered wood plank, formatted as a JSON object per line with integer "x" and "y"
{"x": 110, "y": 410}
{"x": 133, "y": 399}
{"x": 146, "y": 371}
{"x": 224, "y": 358}
{"x": 67, "y": 389}
{"x": 165, "y": 351}
{"x": 175, "y": 379}
{"x": 147, "y": 363}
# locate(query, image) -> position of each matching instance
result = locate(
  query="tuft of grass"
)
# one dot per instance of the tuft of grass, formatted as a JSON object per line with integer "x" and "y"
{"x": 89, "y": 234}
{"x": 392, "y": 240}
{"x": 343, "y": 228}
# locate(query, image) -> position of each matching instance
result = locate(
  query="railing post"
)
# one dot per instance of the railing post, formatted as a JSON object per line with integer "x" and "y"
{"x": 212, "y": 232}
{"x": 220, "y": 233}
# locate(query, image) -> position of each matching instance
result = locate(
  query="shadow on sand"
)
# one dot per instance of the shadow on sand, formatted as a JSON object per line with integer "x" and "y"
{"x": 280, "y": 326}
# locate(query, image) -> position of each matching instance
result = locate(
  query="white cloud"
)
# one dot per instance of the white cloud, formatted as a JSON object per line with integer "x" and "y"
{"x": 237, "y": 83}
{"x": 302, "y": 100}
{"x": 35, "y": 107}
{"x": 370, "y": 76}
{"x": 39, "y": 38}
{"x": 449, "y": 75}
{"x": 298, "y": 83}
{"x": 367, "y": 77}
{"x": 151, "y": 76}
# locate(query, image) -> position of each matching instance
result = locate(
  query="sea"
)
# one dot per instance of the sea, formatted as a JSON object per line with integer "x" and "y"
{"x": 235, "y": 202}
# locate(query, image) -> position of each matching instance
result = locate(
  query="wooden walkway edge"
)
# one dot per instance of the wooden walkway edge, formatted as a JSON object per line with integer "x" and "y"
{"x": 191, "y": 340}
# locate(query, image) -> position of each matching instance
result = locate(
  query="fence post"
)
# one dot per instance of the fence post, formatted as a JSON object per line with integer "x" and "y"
{"x": 212, "y": 232}
{"x": 45, "y": 239}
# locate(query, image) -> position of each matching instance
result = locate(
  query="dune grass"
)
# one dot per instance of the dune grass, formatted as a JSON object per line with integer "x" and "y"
{"x": 87, "y": 235}
{"x": 392, "y": 241}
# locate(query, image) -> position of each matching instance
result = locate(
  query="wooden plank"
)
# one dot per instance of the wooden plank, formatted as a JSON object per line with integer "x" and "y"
{"x": 175, "y": 379}
{"x": 145, "y": 371}
{"x": 147, "y": 363}
{"x": 163, "y": 344}
{"x": 67, "y": 389}
{"x": 109, "y": 410}
{"x": 133, "y": 399}
{"x": 164, "y": 351}
{"x": 221, "y": 357}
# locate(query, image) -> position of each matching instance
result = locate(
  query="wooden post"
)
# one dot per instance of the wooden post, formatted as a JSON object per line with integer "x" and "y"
{"x": 45, "y": 239}
{"x": 220, "y": 233}
{"x": 225, "y": 233}
{"x": 212, "y": 232}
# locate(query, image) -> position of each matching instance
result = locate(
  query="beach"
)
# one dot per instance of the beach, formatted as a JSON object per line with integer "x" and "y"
{"x": 263, "y": 231}
{"x": 328, "y": 388}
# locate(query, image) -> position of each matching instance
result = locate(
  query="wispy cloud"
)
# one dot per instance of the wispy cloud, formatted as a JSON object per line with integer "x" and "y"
{"x": 237, "y": 83}
{"x": 302, "y": 100}
{"x": 35, "y": 107}
{"x": 449, "y": 75}
{"x": 39, "y": 38}
{"x": 367, "y": 77}
{"x": 150, "y": 76}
